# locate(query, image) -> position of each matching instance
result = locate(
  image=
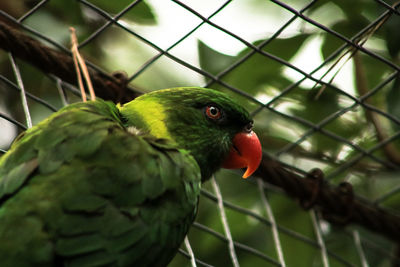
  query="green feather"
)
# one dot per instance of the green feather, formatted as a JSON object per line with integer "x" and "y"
{"x": 97, "y": 184}
{"x": 71, "y": 246}
{"x": 14, "y": 179}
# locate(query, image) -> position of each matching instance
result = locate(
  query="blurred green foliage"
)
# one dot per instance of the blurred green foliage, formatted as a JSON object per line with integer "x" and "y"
{"x": 257, "y": 76}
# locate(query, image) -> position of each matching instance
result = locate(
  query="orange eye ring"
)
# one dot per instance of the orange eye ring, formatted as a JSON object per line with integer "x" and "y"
{"x": 213, "y": 112}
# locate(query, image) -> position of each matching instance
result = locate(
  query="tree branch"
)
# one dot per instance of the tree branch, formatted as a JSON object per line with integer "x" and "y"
{"x": 389, "y": 149}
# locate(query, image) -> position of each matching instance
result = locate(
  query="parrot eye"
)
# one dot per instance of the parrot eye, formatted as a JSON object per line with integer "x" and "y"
{"x": 213, "y": 112}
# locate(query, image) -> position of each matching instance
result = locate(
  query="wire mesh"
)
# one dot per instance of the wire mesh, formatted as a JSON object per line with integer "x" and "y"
{"x": 307, "y": 112}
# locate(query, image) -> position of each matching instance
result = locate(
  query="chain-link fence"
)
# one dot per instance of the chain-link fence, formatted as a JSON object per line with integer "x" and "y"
{"x": 320, "y": 77}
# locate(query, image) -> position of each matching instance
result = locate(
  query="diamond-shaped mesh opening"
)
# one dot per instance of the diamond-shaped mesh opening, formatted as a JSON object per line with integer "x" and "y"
{"x": 321, "y": 79}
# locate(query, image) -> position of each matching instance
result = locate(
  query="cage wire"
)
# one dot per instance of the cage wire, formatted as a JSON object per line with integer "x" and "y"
{"x": 328, "y": 117}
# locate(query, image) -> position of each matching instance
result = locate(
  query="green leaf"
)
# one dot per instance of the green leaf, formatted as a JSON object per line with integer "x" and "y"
{"x": 258, "y": 70}
{"x": 311, "y": 101}
{"x": 213, "y": 61}
{"x": 346, "y": 28}
{"x": 59, "y": 8}
{"x": 392, "y": 36}
{"x": 393, "y": 100}
{"x": 140, "y": 13}
{"x": 314, "y": 106}
{"x": 374, "y": 70}
{"x": 351, "y": 9}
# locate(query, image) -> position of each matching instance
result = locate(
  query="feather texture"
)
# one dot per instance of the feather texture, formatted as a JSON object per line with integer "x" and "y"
{"x": 79, "y": 189}
{"x": 97, "y": 184}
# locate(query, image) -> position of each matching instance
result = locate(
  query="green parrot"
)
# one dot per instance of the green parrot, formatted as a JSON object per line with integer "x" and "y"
{"x": 99, "y": 184}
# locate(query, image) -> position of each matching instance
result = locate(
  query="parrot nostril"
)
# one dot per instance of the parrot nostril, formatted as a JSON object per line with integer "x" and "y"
{"x": 249, "y": 127}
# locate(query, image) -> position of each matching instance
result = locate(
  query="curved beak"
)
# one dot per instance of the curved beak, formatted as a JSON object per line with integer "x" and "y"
{"x": 245, "y": 152}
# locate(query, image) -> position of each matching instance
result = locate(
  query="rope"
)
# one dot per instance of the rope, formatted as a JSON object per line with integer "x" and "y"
{"x": 61, "y": 64}
{"x": 338, "y": 205}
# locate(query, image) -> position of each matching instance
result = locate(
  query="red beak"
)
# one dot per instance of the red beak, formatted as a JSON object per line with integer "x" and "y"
{"x": 245, "y": 152}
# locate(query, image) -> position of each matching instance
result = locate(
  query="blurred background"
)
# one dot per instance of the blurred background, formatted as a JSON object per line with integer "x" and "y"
{"x": 320, "y": 77}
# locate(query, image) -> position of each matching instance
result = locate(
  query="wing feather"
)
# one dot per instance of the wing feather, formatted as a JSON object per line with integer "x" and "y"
{"x": 92, "y": 193}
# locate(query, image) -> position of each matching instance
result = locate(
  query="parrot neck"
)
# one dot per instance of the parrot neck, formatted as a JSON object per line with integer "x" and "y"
{"x": 170, "y": 120}
{"x": 146, "y": 116}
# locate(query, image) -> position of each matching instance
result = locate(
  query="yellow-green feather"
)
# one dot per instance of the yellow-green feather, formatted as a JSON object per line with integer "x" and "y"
{"x": 177, "y": 114}
{"x": 90, "y": 193}
{"x": 81, "y": 189}
{"x": 150, "y": 117}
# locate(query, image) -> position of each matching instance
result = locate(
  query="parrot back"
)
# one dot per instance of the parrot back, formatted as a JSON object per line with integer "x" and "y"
{"x": 79, "y": 189}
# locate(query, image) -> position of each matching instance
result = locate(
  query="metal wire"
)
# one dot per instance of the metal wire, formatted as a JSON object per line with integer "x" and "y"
{"x": 33, "y": 10}
{"x": 190, "y": 252}
{"x": 199, "y": 262}
{"x": 357, "y": 242}
{"x": 278, "y": 231}
{"x": 260, "y": 46}
{"x": 271, "y": 218}
{"x": 61, "y": 92}
{"x": 11, "y": 85}
{"x": 236, "y": 244}
{"x": 13, "y": 121}
{"x": 225, "y": 224}
{"x": 23, "y": 94}
{"x": 338, "y": 35}
{"x": 295, "y": 235}
{"x": 108, "y": 23}
{"x": 155, "y": 58}
{"x": 320, "y": 239}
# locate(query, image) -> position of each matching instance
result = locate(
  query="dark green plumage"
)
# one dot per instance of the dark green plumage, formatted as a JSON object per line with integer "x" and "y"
{"x": 85, "y": 188}
{"x": 208, "y": 141}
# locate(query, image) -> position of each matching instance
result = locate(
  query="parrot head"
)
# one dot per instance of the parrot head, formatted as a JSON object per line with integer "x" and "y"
{"x": 216, "y": 130}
